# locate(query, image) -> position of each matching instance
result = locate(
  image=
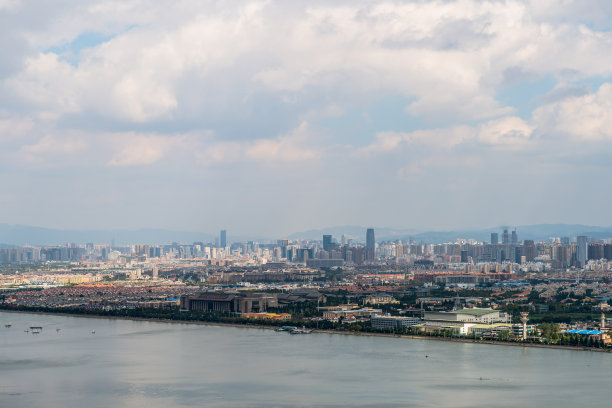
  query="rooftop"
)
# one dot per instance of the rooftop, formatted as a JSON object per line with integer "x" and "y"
{"x": 589, "y": 332}
{"x": 473, "y": 312}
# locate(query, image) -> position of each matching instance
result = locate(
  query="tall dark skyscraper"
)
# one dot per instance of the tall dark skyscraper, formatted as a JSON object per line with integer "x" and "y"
{"x": 370, "y": 244}
{"x": 494, "y": 238}
{"x": 514, "y": 238}
{"x": 327, "y": 242}
{"x": 223, "y": 238}
{"x": 370, "y": 240}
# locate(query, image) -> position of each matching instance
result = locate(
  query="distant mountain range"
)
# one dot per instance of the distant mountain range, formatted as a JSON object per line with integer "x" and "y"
{"x": 27, "y": 235}
{"x": 357, "y": 233}
{"x": 539, "y": 232}
{"x": 11, "y": 235}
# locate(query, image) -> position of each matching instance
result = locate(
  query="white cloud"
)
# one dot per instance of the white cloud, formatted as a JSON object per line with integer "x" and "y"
{"x": 9, "y": 4}
{"x": 447, "y": 56}
{"x": 11, "y": 129}
{"x": 52, "y": 148}
{"x": 293, "y": 148}
{"x": 508, "y": 133}
{"x": 138, "y": 150}
{"x": 584, "y": 118}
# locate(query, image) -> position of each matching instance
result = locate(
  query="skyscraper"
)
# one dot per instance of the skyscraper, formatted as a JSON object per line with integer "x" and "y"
{"x": 505, "y": 237}
{"x": 370, "y": 240}
{"x": 223, "y": 238}
{"x": 370, "y": 244}
{"x": 581, "y": 250}
{"x": 514, "y": 237}
{"x": 327, "y": 242}
{"x": 494, "y": 238}
{"x": 529, "y": 250}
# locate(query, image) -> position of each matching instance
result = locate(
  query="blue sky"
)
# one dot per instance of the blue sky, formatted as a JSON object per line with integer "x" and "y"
{"x": 269, "y": 117}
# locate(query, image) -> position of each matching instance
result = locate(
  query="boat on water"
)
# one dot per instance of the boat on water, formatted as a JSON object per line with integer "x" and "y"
{"x": 35, "y": 329}
{"x": 285, "y": 328}
{"x": 9, "y": 324}
{"x": 300, "y": 331}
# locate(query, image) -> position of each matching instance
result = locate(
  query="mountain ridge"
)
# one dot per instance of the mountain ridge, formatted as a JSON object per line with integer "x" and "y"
{"x": 11, "y": 235}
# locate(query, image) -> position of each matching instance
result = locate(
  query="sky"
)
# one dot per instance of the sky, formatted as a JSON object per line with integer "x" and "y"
{"x": 270, "y": 117}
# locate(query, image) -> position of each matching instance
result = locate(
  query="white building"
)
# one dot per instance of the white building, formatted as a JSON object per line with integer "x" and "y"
{"x": 475, "y": 315}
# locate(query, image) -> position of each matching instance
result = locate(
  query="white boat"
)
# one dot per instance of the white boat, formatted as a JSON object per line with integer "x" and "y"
{"x": 9, "y": 324}
{"x": 300, "y": 331}
{"x": 285, "y": 328}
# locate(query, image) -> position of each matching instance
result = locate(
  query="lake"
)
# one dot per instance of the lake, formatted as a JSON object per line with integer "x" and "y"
{"x": 149, "y": 364}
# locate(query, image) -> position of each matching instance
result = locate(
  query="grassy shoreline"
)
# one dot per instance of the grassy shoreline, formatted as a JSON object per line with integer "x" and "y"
{"x": 347, "y": 333}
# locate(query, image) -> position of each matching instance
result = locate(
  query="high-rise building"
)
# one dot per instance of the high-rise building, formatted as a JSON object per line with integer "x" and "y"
{"x": 494, "y": 238}
{"x": 529, "y": 250}
{"x": 370, "y": 244}
{"x": 505, "y": 237}
{"x": 518, "y": 254}
{"x": 596, "y": 250}
{"x": 581, "y": 250}
{"x": 514, "y": 238}
{"x": 370, "y": 240}
{"x": 608, "y": 251}
{"x": 223, "y": 238}
{"x": 327, "y": 242}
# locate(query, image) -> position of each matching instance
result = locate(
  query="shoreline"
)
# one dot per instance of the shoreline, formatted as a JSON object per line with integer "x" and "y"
{"x": 346, "y": 333}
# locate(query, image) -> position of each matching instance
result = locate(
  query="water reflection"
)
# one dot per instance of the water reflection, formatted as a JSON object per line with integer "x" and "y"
{"x": 147, "y": 364}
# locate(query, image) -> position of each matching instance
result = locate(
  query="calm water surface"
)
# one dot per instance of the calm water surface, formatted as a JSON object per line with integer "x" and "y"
{"x": 147, "y": 364}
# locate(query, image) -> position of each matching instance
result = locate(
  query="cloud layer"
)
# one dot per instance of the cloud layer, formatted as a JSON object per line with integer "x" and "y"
{"x": 268, "y": 117}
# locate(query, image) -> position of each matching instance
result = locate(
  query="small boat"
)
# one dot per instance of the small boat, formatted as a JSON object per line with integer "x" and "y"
{"x": 300, "y": 331}
{"x": 9, "y": 324}
{"x": 35, "y": 329}
{"x": 93, "y": 332}
{"x": 57, "y": 330}
{"x": 285, "y": 328}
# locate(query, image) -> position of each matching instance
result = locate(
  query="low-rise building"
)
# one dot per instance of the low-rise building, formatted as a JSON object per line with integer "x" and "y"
{"x": 393, "y": 322}
{"x": 270, "y": 316}
{"x": 380, "y": 299}
{"x": 337, "y": 314}
{"x": 474, "y": 315}
{"x": 229, "y": 302}
{"x": 494, "y": 329}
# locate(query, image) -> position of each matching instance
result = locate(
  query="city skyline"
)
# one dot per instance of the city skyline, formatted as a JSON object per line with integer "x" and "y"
{"x": 30, "y": 235}
{"x": 269, "y": 117}
{"x": 247, "y": 203}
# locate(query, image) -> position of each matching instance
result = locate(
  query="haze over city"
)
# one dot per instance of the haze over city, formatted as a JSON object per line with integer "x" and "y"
{"x": 268, "y": 118}
{"x": 268, "y": 203}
